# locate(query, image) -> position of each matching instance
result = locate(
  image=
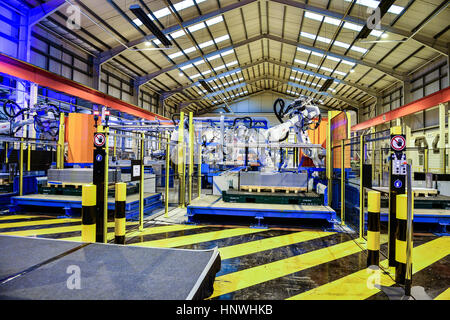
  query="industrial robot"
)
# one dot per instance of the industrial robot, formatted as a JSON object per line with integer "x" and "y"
{"x": 43, "y": 116}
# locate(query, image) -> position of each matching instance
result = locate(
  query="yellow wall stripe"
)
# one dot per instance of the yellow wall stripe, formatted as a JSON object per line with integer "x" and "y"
{"x": 252, "y": 276}
{"x": 357, "y": 286}
{"x": 444, "y": 295}
{"x": 269, "y": 243}
{"x": 36, "y": 223}
{"x": 197, "y": 238}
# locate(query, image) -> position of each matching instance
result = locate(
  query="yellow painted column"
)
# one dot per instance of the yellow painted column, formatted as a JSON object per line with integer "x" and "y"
{"x": 199, "y": 173}
{"x": 181, "y": 164}
{"x": 105, "y": 197}
{"x": 141, "y": 188}
{"x": 342, "y": 183}
{"x": 88, "y": 213}
{"x": 166, "y": 197}
{"x": 361, "y": 187}
{"x": 329, "y": 169}
{"x": 29, "y": 157}
{"x": 401, "y": 238}
{"x": 21, "y": 168}
{"x": 373, "y": 228}
{"x": 60, "y": 148}
{"x": 119, "y": 213}
{"x": 191, "y": 153}
{"x": 6, "y": 152}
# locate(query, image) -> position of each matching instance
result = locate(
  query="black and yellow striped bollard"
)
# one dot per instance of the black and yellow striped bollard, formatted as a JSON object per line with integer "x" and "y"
{"x": 88, "y": 212}
{"x": 373, "y": 229}
{"x": 401, "y": 238}
{"x": 119, "y": 214}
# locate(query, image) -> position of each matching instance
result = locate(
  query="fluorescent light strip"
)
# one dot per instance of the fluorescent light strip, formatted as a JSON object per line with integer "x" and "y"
{"x": 336, "y": 22}
{"x": 327, "y": 57}
{"x": 307, "y": 82}
{"x": 223, "y": 54}
{"x": 337, "y": 43}
{"x": 309, "y": 64}
{"x": 232, "y": 63}
{"x": 228, "y": 83}
{"x": 165, "y": 11}
{"x": 201, "y": 45}
{"x": 374, "y": 4}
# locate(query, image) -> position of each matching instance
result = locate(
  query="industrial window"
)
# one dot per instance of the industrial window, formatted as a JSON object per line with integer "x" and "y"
{"x": 9, "y": 31}
{"x": 56, "y": 58}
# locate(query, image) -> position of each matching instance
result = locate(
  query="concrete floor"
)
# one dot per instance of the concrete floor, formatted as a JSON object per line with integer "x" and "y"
{"x": 274, "y": 263}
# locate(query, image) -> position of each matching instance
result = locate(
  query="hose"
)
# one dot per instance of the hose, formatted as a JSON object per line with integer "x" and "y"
{"x": 243, "y": 118}
{"x": 278, "y": 114}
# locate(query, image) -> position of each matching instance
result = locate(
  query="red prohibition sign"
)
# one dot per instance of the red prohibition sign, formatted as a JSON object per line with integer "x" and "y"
{"x": 99, "y": 139}
{"x": 398, "y": 143}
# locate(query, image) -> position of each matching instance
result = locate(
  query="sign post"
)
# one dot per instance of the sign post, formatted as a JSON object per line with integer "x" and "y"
{"x": 99, "y": 182}
{"x": 396, "y": 185}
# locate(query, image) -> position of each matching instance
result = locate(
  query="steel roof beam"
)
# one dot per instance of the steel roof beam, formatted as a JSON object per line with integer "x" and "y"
{"x": 430, "y": 43}
{"x": 109, "y": 54}
{"x": 365, "y": 89}
{"x": 399, "y": 76}
{"x": 42, "y": 11}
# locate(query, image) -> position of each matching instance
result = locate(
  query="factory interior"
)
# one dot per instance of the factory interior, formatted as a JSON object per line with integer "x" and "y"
{"x": 219, "y": 150}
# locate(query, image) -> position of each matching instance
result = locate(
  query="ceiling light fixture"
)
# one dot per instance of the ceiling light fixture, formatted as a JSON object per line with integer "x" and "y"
{"x": 140, "y": 14}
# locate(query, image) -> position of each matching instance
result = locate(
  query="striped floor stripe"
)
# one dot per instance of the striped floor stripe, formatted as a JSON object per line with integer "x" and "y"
{"x": 152, "y": 230}
{"x": 37, "y": 223}
{"x": 259, "y": 274}
{"x": 357, "y": 285}
{"x": 444, "y": 295}
{"x": 20, "y": 216}
{"x": 269, "y": 243}
{"x": 196, "y": 238}
{"x": 161, "y": 229}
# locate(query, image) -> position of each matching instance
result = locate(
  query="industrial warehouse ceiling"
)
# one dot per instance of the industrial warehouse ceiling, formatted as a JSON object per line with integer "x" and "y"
{"x": 243, "y": 48}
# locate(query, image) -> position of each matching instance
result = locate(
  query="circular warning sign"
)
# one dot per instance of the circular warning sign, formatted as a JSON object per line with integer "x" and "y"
{"x": 99, "y": 139}
{"x": 398, "y": 143}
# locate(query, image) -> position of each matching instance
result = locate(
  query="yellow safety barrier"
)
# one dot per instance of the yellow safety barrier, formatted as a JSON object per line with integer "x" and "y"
{"x": 401, "y": 238}
{"x": 88, "y": 213}
{"x": 119, "y": 212}
{"x": 373, "y": 228}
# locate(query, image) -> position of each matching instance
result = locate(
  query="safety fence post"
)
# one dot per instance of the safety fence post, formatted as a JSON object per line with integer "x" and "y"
{"x": 342, "y": 183}
{"x": 119, "y": 212}
{"x": 199, "y": 173}
{"x": 361, "y": 186}
{"x": 21, "y": 167}
{"x": 166, "y": 197}
{"x": 88, "y": 213}
{"x": 191, "y": 153}
{"x": 181, "y": 164}
{"x": 373, "y": 228}
{"x": 141, "y": 184}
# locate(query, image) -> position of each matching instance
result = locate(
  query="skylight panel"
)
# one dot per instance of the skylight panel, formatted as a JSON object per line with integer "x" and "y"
{"x": 374, "y": 4}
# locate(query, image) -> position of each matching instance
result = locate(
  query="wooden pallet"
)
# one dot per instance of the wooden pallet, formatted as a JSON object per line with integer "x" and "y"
{"x": 273, "y": 189}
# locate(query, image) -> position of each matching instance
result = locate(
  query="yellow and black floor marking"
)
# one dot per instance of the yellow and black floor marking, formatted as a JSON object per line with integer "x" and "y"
{"x": 268, "y": 263}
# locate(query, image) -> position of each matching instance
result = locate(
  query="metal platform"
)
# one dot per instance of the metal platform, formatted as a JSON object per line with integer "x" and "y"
{"x": 48, "y": 269}
{"x": 304, "y": 198}
{"x": 214, "y": 205}
{"x": 152, "y": 201}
